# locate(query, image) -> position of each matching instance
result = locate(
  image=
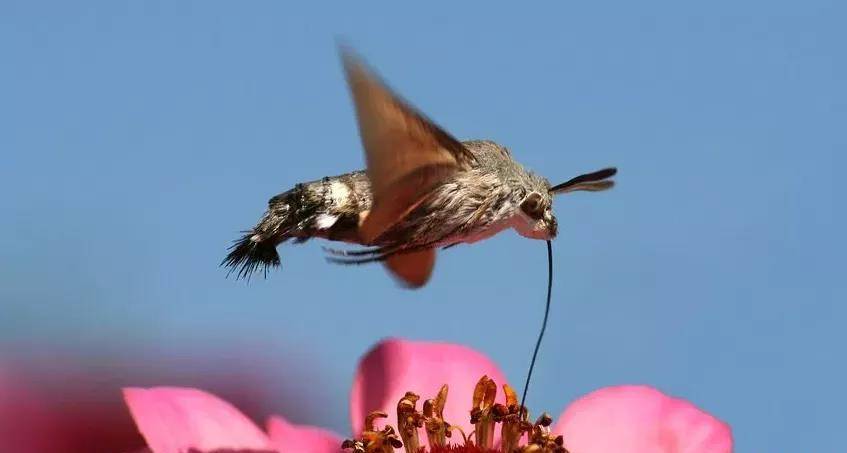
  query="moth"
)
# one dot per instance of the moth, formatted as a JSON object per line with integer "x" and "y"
{"x": 422, "y": 190}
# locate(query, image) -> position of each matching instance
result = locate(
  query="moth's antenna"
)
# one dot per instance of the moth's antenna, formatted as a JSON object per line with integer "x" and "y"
{"x": 543, "y": 323}
{"x": 591, "y": 182}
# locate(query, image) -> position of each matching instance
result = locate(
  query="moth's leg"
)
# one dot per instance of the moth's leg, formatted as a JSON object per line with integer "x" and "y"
{"x": 361, "y": 252}
{"x": 357, "y": 261}
{"x": 374, "y": 255}
{"x": 363, "y": 256}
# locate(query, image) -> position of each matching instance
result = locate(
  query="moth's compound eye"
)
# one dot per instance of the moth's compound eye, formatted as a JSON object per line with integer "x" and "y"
{"x": 533, "y": 205}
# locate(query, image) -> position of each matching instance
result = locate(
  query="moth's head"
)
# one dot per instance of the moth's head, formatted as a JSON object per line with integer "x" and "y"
{"x": 535, "y": 218}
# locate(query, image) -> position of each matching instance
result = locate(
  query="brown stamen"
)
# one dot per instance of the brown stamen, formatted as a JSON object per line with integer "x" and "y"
{"x": 408, "y": 422}
{"x": 437, "y": 430}
{"x": 482, "y": 415}
{"x": 541, "y": 440}
{"x": 514, "y": 419}
{"x": 373, "y": 440}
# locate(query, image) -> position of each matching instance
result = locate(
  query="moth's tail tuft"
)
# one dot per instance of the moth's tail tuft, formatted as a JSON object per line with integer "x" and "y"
{"x": 250, "y": 253}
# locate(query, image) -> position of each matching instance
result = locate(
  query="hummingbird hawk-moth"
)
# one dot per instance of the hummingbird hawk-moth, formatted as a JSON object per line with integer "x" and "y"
{"x": 422, "y": 190}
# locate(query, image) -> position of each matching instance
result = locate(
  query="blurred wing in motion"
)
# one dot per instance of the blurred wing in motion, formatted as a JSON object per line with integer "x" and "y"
{"x": 407, "y": 156}
{"x": 406, "y": 153}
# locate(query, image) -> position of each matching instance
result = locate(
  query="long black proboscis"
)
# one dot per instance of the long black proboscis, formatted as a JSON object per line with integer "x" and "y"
{"x": 543, "y": 323}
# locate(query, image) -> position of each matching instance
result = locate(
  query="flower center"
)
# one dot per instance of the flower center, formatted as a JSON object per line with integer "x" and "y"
{"x": 517, "y": 434}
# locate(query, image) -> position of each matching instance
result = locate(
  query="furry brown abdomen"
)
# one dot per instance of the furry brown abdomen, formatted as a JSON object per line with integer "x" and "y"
{"x": 327, "y": 208}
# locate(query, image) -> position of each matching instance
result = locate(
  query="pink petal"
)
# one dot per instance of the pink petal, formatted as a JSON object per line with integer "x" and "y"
{"x": 26, "y": 423}
{"x": 290, "y": 437}
{"x": 396, "y": 366}
{"x": 640, "y": 419}
{"x": 174, "y": 420}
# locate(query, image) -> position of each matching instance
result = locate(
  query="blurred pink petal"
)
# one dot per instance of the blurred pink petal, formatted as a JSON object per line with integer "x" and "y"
{"x": 396, "y": 366}
{"x": 640, "y": 419}
{"x": 174, "y": 420}
{"x": 25, "y": 421}
{"x": 58, "y": 400}
{"x": 290, "y": 437}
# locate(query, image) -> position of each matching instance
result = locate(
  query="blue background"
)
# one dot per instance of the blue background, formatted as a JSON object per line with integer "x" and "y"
{"x": 139, "y": 138}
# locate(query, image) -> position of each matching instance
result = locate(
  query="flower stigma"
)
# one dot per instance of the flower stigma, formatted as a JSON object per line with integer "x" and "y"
{"x": 517, "y": 433}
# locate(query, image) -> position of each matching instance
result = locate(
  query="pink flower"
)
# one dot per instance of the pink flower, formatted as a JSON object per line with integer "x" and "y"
{"x": 64, "y": 401}
{"x": 626, "y": 419}
{"x": 38, "y": 416}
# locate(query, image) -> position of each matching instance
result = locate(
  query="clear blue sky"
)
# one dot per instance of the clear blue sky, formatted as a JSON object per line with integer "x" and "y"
{"x": 138, "y": 138}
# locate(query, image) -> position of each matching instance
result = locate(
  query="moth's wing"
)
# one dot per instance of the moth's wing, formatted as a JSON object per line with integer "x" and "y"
{"x": 413, "y": 268}
{"x": 407, "y": 154}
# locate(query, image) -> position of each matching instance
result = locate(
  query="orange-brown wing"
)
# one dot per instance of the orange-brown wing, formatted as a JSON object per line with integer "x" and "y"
{"x": 406, "y": 153}
{"x": 413, "y": 268}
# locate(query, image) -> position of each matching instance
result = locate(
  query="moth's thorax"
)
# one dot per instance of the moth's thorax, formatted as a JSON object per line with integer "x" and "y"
{"x": 517, "y": 183}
